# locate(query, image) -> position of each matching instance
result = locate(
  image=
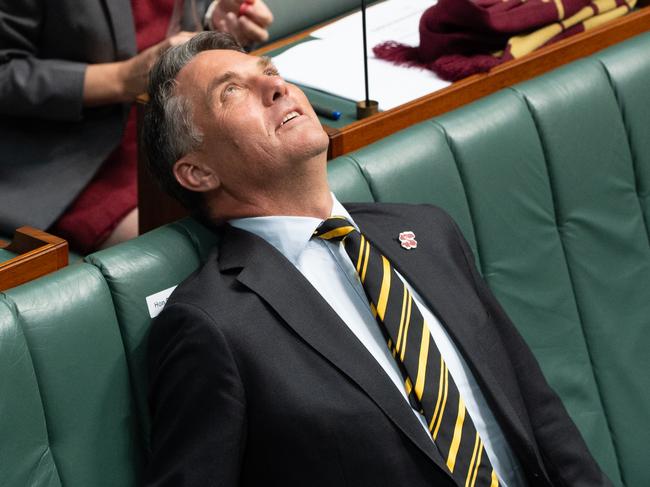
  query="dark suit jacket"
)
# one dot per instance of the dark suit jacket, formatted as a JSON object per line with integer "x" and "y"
{"x": 256, "y": 381}
{"x": 50, "y": 146}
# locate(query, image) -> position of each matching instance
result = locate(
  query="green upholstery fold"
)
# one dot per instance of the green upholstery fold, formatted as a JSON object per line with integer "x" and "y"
{"x": 347, "y": 181}
{"x": 71, "y": 335}
{"x": 25, "y": 455}
{"x": 630, "y": 79}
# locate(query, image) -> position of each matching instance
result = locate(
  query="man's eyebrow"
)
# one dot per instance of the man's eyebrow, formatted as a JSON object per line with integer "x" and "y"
{"x": 265, "y": 62}
{"x": 216, "y": 82}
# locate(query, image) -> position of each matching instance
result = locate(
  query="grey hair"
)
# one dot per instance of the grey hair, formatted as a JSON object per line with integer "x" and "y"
{"x": 184, "y": 135}
{"x": 169, "y": 132}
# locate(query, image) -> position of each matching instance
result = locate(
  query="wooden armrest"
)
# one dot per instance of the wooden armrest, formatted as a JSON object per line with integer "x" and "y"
{"x": 38, "y": 253}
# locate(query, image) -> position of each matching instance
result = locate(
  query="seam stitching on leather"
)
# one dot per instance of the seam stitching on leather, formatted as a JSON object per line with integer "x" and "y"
{"x": 102, "y": 273}
{"x": 635, "y": 171}
{"x": 628, "y": 137}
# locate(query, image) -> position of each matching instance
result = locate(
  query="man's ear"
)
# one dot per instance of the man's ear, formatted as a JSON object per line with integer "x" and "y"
{"x": 194, "y": 175}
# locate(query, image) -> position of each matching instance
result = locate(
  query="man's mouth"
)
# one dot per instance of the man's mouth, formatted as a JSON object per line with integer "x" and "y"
{"x": 289, "y": 116}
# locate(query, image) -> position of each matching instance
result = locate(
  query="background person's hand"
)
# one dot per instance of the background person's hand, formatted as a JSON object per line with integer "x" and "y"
{"x": 123, "y": 81}
{"x": 246, "y": 20}
{"x": 135, "y": 71}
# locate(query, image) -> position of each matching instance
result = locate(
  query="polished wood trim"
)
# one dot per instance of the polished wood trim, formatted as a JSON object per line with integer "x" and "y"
{"x": 39, "y": 253}
{"x": 364, "y": 132}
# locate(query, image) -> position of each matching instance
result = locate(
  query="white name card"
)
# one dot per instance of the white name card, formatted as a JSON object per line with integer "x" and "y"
{"x": 156, "y": 302}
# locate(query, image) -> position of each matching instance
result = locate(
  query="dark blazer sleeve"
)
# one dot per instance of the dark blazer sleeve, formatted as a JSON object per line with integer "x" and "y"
{"x": 30, "y": 86}
{"x": 565, "y": 454}
{"x": 197, "y": 402}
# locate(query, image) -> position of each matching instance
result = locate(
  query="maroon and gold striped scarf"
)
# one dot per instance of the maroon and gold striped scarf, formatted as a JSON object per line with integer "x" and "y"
{"x": 463, "y": 37}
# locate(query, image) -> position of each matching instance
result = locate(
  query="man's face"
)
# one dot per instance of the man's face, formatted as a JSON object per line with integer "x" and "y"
{"x": 256, "y": 127}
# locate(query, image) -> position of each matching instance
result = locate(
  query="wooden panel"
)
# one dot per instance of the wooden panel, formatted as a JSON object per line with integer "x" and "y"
{"x": 39, "y": 253}
{"x": 155, "y": 207}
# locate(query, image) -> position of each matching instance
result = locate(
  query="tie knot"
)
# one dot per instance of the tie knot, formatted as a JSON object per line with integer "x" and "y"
{"x": 334, "y": 228}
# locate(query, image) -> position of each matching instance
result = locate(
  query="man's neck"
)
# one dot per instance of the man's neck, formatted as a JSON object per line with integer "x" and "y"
{"x": 297, "y": 197}
{"x": 316, "y": 205}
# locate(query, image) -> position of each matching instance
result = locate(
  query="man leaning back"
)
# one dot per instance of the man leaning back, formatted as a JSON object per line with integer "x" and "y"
{"x": 312, "y": 348}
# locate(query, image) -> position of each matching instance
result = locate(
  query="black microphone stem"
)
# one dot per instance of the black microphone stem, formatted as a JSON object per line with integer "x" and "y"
{"x": 365, "y": 49}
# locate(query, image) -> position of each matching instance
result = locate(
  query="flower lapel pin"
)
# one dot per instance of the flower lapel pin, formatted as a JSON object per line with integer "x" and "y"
{"x": 407, "y": 240}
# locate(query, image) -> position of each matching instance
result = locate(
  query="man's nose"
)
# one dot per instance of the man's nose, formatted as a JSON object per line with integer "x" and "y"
{"x": 273, "y": 87}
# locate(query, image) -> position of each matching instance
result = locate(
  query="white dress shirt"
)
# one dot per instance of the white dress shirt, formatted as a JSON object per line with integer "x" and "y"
{"x": 328, "y": 268}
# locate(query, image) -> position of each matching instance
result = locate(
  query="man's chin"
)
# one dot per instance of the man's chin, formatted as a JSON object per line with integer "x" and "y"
{"x": 317, "y": 151}
{"x": 312, "y": 145}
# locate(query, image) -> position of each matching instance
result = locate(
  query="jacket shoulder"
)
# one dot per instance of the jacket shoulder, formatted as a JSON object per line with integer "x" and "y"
{"x": 398, "y": 217}
{"x": 399, "y": 211}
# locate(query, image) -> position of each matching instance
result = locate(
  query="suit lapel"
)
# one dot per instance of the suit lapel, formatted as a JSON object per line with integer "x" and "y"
{"x": 121, "y": 20}
{"x": 446, "y": 298}
{"x": 267, "y": 273}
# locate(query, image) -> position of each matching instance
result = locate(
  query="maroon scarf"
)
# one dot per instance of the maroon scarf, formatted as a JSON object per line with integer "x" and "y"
{"x": 463, "y": 37}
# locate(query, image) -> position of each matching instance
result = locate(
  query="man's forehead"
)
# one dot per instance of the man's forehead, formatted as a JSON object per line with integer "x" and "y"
{"x": 204, "y": 71}
{"x": 214, "y": 62}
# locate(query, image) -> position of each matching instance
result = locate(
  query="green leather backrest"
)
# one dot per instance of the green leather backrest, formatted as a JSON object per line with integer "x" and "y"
{"x": 605, "y": 240}
{"x": 143, "y": 267}
{"x": 522, "y": 254}
{"x": 629, "y": 73}
{"x": 67, "y": 411}
{"x": 25, "y": 453}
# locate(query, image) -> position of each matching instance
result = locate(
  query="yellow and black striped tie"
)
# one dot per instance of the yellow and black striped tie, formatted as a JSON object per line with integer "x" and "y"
{"x": 427, "y": 379}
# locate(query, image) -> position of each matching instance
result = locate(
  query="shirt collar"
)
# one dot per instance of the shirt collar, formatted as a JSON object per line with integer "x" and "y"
{"x": 288, "y": 234}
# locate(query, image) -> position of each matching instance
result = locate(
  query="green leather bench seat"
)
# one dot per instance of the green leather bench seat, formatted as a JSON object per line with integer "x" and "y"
{"x": 22, "y": 421}
{"x": 67, "y": 409}
{"x": 605, "y": 240}
{"x": 549, "y": 181}
{"x": 134, "y": 270}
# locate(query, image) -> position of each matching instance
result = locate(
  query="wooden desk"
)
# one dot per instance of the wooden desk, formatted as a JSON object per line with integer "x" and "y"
{"x": 156, "y": 208}
{"x": 37, "y": 253}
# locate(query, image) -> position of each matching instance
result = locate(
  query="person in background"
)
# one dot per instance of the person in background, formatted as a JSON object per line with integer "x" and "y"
{"x": 69, "y": 73}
